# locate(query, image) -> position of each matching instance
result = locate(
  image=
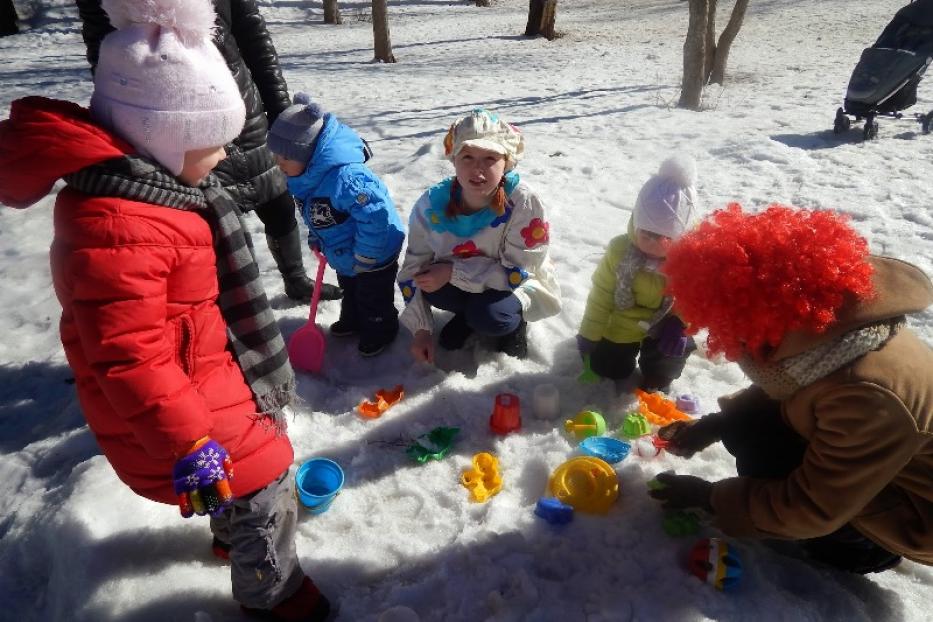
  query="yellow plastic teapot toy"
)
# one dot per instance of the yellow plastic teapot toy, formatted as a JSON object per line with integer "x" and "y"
{"x": 586, "y": 483}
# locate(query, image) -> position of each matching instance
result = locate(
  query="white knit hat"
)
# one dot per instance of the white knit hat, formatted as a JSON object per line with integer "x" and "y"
{"x": 485, "y": 130}
{"x": 667, "y": 201}
{"x": 161, "y": 84}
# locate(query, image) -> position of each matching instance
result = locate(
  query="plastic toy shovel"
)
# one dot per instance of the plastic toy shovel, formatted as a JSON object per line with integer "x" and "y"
{"x": 307, "y": 345}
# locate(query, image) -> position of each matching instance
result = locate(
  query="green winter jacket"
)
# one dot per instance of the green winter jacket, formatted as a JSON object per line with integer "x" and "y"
{"x": 602, "y": 320}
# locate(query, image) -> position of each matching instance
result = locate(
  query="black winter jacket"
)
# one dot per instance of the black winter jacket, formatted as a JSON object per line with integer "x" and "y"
{"x": 249, "y": 172}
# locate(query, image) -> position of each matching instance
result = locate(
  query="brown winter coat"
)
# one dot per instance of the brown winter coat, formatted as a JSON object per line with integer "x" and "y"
{"x": 869, "y": 433}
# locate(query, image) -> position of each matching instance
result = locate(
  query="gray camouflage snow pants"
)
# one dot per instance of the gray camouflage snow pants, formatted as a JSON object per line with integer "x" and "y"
{"x": 260, "y": 529}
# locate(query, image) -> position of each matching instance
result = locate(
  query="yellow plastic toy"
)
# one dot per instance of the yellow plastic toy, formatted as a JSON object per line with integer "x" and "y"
{"x": 659, "y": 410}
{"x": 385, "y": 399}
{"x": 586, "y": 483}
{"x": 483, "y": 480}
{"x": 587, "y": 423}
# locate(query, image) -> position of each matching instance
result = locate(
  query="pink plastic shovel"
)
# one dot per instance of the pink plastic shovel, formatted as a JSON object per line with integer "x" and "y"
{"x": 307, "y": 346}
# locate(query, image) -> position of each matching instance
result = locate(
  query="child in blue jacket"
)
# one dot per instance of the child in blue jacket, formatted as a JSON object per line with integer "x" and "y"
{"x": 350, "y": 217}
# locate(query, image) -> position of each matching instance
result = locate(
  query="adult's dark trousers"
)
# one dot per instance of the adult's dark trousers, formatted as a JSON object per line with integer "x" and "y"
{"x": 8, "y": 18}
{"x": 765, "y": 447}
{"x": 278, "y": 216}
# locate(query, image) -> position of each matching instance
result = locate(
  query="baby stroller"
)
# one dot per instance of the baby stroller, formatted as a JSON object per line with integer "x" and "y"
{"x": 884, "y": 82}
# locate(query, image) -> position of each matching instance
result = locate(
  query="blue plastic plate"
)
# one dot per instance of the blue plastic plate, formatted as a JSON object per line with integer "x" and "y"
{"x": 606, "y": 448}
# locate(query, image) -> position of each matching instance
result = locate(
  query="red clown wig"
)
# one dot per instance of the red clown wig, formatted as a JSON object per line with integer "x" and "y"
{"x": 751, "y": 278}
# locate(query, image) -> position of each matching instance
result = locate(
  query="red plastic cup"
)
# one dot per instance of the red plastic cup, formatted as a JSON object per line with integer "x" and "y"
{"x": 506, "y": 415}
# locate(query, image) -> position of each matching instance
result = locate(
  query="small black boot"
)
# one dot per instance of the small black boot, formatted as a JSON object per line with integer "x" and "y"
{"x": 515, "y": 343}
{"x": 455, "y": 333}
{"x": 286, "y": 251}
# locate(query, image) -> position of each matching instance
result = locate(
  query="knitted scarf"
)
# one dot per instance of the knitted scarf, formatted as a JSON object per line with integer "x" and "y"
{"x": 782, "y": 379}
{"x": 251, "y": 326}
{"x": 632, "y": 261}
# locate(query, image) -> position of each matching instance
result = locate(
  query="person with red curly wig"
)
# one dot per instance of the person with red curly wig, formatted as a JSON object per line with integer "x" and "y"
{"x": 833, "y": 442}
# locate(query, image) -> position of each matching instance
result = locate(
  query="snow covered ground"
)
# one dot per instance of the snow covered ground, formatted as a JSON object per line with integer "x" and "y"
{"x": 596, "y": 106}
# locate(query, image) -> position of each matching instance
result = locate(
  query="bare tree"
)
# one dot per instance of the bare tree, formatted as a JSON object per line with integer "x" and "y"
{"x": 705, "y": 59}
{"x": 332, "y": 12}
{"x": 542, "y": 14}
{"x": 691, "y": 88}
{"x": 729, "y": 33}
{"x": 382, "y": 43}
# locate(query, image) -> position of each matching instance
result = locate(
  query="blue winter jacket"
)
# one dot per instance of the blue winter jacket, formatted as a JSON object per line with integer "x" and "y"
{"x": 347, "y": 208}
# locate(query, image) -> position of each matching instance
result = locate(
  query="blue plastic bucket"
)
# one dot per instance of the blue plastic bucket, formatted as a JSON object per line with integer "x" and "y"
{"x": 318, "y": 481}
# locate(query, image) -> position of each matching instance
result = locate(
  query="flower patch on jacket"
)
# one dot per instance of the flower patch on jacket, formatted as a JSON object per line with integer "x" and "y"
{"x": 466, "y": 250}
{"x": 516, "y": 276}
{"x": 408, "y": 290}
{"x": 535, "y": 233}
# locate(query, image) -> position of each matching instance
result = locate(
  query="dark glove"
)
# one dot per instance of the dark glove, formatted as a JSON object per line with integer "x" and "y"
{"x": 672, "y": 341}
{"x": 679, "y": 492}
{"x": 201, "y": 479}
{"x": 685, "y": 438}
{"x": 585, "y": 346}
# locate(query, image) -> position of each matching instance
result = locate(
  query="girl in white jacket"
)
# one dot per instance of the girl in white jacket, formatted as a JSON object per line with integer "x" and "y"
{"x": 478, "y": 246}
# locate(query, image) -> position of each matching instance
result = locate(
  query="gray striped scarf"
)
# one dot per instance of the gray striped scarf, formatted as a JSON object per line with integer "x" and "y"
{"x": 632, "y": 262}
{"x": 251, "y": 326}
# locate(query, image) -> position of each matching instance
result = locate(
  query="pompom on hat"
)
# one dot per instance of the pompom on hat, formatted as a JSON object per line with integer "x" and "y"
{"x": 667, "y": 201}
{"x": 485, "y": 130}
{"x": 751, "y": 279}
{"x": 160, "y": 82}
{"x": 295, "y": 130}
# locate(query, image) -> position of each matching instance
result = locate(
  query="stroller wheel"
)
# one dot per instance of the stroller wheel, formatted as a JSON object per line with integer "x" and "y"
{"x": 871, "y": 129}
{"x": 925, "y": 121}
{"x": 842, "y": 122}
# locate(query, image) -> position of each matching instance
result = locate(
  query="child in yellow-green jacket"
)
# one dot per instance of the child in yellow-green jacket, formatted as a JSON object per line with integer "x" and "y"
{"x": 628, "y": 318}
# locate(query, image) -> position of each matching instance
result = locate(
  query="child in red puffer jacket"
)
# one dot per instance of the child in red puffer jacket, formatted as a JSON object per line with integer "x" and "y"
{"x": 180, "y": 368}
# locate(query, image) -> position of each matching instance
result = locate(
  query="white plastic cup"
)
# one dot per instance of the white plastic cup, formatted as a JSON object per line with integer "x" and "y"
{"x": 545, "y": 401}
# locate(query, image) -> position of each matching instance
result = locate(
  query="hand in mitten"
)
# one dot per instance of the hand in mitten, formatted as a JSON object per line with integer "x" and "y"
{"x": 685, "y": 438}
{"x": 672, "y": 341}
{"x": 201, "y": 479}
{"x": 679, "y": 492}
{"x": 585, "y": 346}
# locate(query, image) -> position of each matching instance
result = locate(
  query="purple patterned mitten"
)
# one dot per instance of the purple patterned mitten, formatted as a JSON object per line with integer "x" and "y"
{"x": 202, "y": 479}
{"x": 671, "y": 338}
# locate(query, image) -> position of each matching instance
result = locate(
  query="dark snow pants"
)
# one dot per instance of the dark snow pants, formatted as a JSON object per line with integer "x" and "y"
{"x": 369, "y": 304}
{"x": 616, "y": 361}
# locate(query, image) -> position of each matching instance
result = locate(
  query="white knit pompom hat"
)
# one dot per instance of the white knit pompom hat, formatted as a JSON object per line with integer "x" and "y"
{"x": 485, "y": 130}
{"x": 667, "y": 201}
{"x": 161, "y": 84}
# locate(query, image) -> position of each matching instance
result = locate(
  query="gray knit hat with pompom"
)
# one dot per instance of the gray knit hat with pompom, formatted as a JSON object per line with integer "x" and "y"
{"x": 296, "y": 129}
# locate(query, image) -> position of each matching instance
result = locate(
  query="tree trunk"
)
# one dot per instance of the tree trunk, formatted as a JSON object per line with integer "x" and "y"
{"x": 548, "y": 17}
{"x": 541, "y": 17}
{"x": 709, "y": 53}
{"x": 691, "y": 89}
{"x": 718, "y": 73}
{"x": 535, "y": 10}
{"x": 332, "y": 12}
{"x": 381, "y": 41}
